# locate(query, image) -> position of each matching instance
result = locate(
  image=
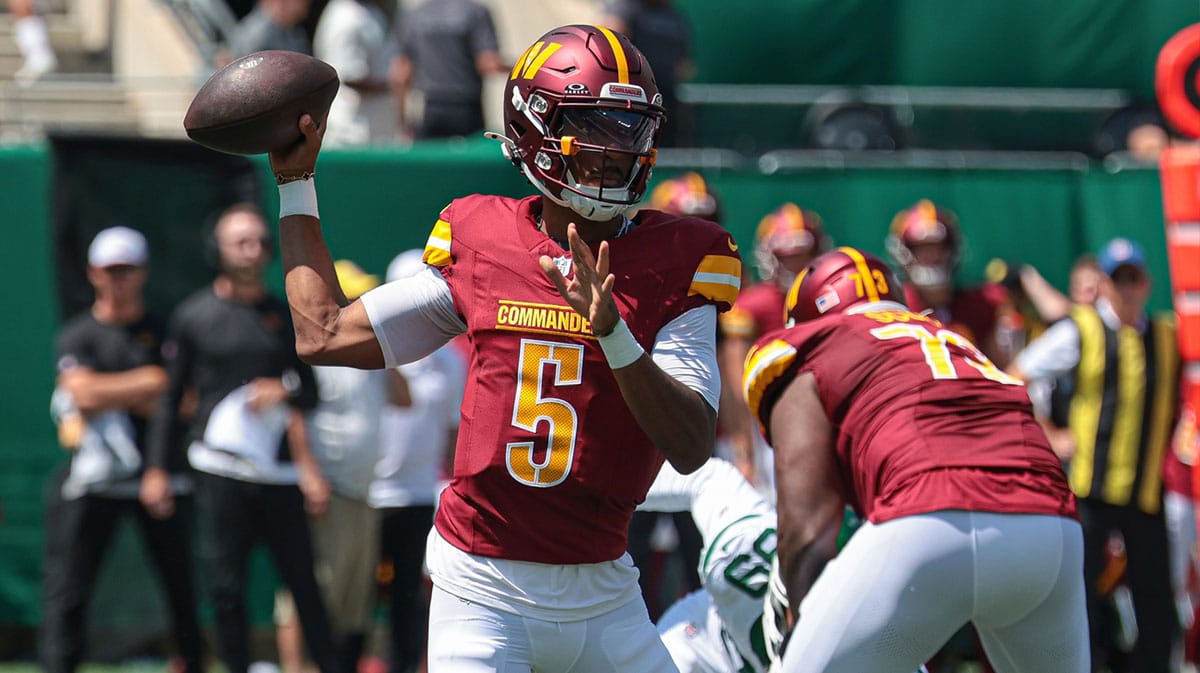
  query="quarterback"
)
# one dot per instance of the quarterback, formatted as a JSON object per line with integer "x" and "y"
{"x": 592, "y": 359}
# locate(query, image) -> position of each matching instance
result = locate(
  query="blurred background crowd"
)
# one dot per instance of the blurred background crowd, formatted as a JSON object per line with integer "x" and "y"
{"x": 1003, "y": 156}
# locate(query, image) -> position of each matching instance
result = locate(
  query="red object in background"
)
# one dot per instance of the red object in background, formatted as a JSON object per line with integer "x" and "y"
{"x": 1177, "y": 80}
{"x": 1180, "y": 175}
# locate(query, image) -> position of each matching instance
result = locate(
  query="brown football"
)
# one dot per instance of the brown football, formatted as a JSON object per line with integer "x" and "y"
{"x": 252, "y": 105}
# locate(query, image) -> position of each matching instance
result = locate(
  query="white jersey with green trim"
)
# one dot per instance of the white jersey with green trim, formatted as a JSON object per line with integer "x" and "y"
{"x": 720, "y": 631}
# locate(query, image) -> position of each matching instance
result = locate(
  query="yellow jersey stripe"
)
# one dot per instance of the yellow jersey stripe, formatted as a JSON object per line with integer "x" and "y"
{"x": 619, "y": 53}
{"x": 722, "y": 291}
{"x": 864, "y": 272}
{"x": 437, "y": 247}
{"x": 720, "y": 264}
{"x": 1166, "y": 363}
{"x": 540, "y": 59}
{"x": 763, "y": 366}
{"x": 1127, "y": 426}
{"x": 1084, "y": 415}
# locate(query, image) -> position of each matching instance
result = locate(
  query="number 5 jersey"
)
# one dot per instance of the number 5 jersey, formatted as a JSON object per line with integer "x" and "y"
{"x": 550, "y": 462}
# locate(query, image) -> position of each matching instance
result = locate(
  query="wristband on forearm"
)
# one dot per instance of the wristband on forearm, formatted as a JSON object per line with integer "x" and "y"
{"x": 619, "y": 346}
{"x": 298, "y": 197}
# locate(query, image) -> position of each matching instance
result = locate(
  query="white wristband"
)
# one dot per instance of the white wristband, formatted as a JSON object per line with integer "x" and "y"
{"x": 298, "y": 197}
{"x": 620, "y": 348}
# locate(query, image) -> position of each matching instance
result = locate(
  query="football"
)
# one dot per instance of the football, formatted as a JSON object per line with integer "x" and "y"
{"x": 252, "y": 105}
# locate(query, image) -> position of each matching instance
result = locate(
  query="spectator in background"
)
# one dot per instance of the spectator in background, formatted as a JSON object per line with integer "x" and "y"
{"x": 420, "y": 429}
{"x": 273, "y": 24}
{"x": 33, "y": 40}
{"x": 446, "y": 49}
{"x": 234, "y": 344}
{"x": 925, "y": 241}
{"x": 344, "y": 437}
{"x": 110, "y": 378}
{"x": 787, "y": 239}
{"x": 1126, "y": 377}
{"x": 662, "y": 33}
{"x": 353, "y": 37}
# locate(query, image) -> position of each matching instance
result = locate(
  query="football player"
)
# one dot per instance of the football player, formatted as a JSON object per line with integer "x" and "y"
{"x": 592, "y": 359}
{"x": 925, "y": 241}
{"x": 870, "y": 404}
{"x": 787, "y": 239}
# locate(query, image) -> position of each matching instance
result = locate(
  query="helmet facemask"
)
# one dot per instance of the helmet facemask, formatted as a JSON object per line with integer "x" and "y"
{"x": 597, "y": 160}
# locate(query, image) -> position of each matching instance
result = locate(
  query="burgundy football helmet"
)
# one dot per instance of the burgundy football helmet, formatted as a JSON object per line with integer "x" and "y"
{"x": 787, "y": 230}
{"x": 838, "y": 281}
{"x": 582, "y": 118}
{"x": 689, "y": 194}
{"x": 921, "y": 224}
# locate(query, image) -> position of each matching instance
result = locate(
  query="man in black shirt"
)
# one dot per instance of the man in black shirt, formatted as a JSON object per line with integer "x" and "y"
{"x": 109, "y": 379}
{"x": 234, "y": 344}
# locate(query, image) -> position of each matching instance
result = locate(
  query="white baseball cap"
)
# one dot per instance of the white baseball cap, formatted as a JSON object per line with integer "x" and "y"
{"x": 117, "y": 246}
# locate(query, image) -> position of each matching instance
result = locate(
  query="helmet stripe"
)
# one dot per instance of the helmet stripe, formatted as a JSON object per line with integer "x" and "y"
{"x": 619, "y": 53}
{"x": 540, "y": 59}
{"x": 793, "y": 294}
{"x": 520, "y": 64}
{"x": 864, "y": 272}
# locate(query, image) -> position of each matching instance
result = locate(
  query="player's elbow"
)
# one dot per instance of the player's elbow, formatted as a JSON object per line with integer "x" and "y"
{"x": 687, "y": 459}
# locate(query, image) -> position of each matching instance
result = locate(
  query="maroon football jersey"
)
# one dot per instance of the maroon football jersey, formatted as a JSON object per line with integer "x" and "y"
{"x": 550, "y": 462}
{"x": 758, "y": 310}
{"x": 923, "y": 420}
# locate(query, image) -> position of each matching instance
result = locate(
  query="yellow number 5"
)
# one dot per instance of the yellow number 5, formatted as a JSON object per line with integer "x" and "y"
{"x": 531, "y": 409}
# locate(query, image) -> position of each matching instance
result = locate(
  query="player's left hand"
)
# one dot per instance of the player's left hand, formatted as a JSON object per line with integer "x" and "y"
{"x": 589, "y": 291}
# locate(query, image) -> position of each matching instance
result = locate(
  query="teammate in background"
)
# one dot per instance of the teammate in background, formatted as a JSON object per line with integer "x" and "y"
{"x": 110, "y": 377}
{"x": 870, "y": 404}
{"x": 567, "y": 418}
{"x": 650, "y": 533}
{"x": 345, "y": 436}
{"x": 925, "y": 241}
{"x": 419, "y": 427}
{"x": 233, "y": 342}
{"x": 787, "y": 239}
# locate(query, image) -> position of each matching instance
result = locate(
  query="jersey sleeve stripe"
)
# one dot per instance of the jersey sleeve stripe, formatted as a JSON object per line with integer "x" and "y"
{"x": 763, "y": 366}
{"x": 437, "y": 248}
{"x": 718, "y": 278}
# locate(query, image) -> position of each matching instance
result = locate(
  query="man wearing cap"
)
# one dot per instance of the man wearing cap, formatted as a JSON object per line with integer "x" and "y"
{"x": 1125, "y": 367}
{"x": 344, "y": 437}
{"x": 109, "y": 378}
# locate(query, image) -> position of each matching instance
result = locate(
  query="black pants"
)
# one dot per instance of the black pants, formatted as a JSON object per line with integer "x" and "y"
{"x": 78, "y": 534}
{"x": 641, "y": 528}
{"x": 235, "y": 516}
{"x": 1148, "y": 575}
{"x": 449, "y": 119}
{"x": 403, "y": 535}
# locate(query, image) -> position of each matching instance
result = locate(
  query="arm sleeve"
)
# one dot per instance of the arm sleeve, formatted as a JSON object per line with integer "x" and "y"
{"x": 1054, "y": 353}
{"x": 686, "y": 349}
{"x": 177, "y": 359}
{"x": 412, "y": 317}
{"x": 716, "y": 495}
